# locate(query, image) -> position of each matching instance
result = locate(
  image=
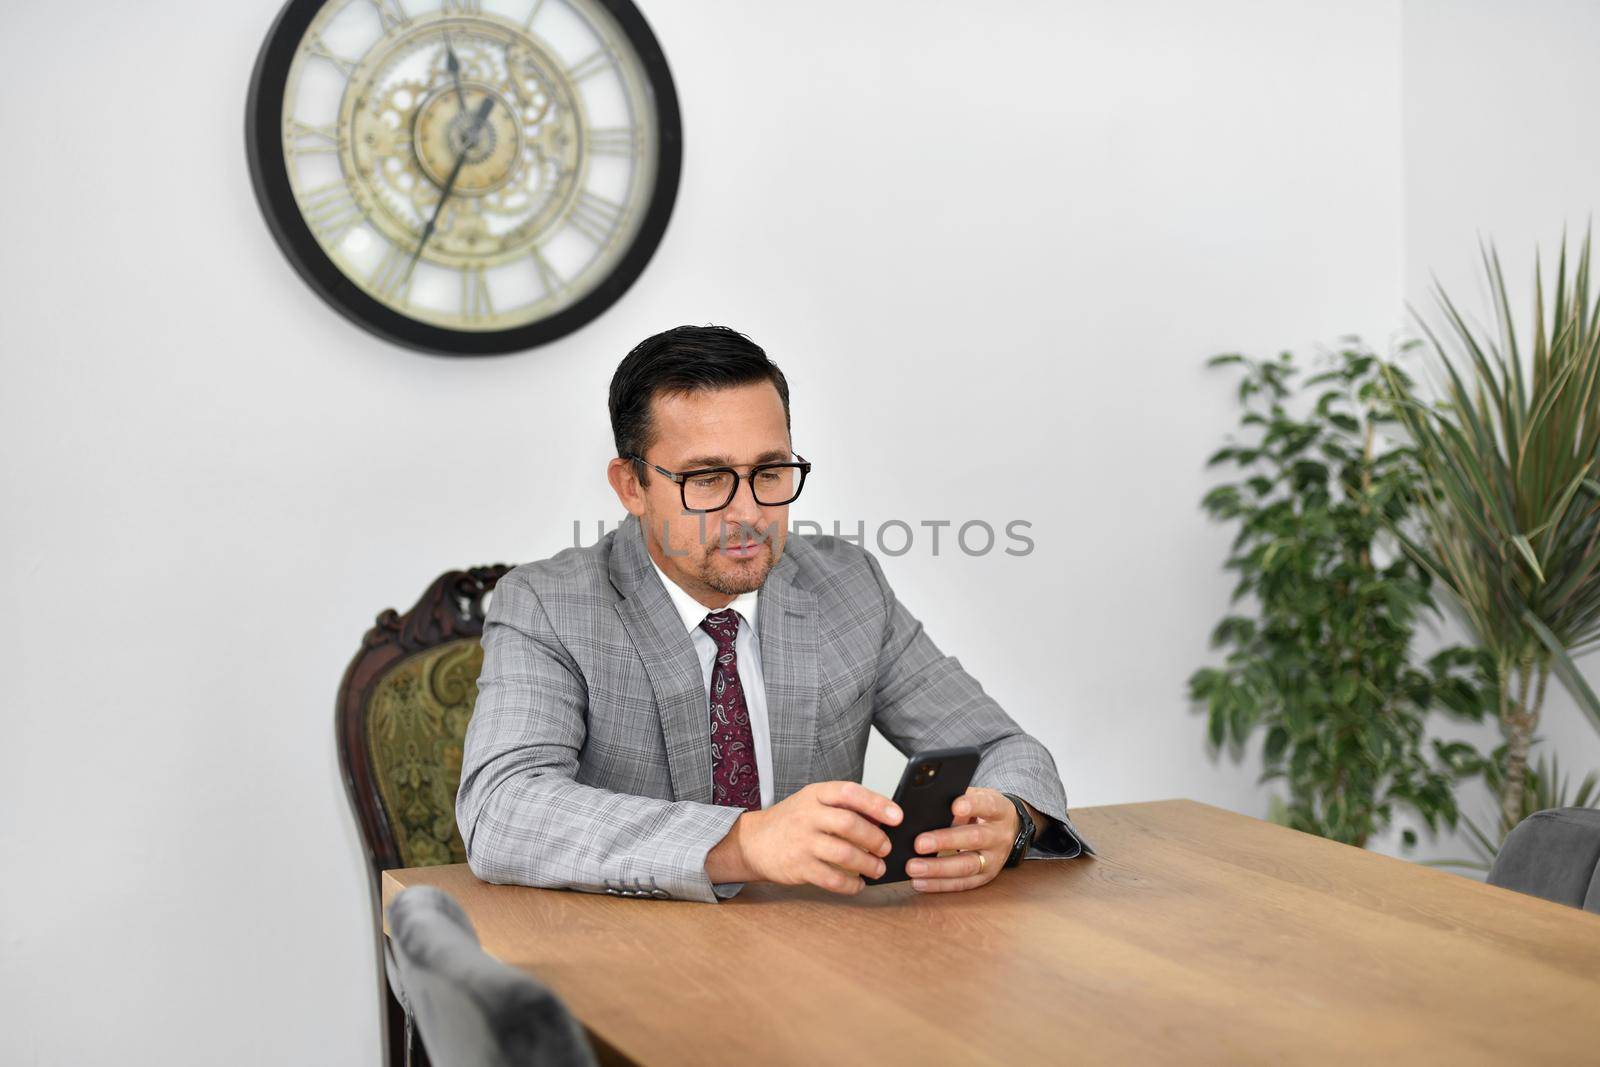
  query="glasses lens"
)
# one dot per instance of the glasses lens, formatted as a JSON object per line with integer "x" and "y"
{"x": 707, "y": 491}
{"x": 777, "y": 484}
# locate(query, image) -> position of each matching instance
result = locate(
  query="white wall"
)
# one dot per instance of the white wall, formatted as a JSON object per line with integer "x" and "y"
{"x": 1497, "y": 105}
{"x": 998, "y": 238}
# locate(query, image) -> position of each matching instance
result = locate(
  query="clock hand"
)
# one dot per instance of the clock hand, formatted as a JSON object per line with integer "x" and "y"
{"x": 455, "y": 70}
{"x": 455, "y": 172}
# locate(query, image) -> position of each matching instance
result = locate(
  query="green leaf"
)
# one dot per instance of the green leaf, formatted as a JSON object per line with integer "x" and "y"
{"x": 1271, "y": 553}
{"x": 1204, "y": 682}
{"x": 1344, "y": 689}
{"x": 1564, "y": 668}
{"x": 1223, "y": 500}
{"x": 1240, "y": 720}
{"x": 1222, "y": 455}
{"x": 1326, "y": 399}
{"x": 1527, "y": 553}
{"x": 1233, "y": 629}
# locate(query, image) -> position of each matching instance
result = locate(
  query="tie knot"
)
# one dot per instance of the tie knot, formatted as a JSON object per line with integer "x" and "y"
{"x": 723, "y": 626}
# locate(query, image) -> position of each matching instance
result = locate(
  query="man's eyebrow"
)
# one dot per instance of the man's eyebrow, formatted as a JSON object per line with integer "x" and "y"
{"x": 772, "y": 455}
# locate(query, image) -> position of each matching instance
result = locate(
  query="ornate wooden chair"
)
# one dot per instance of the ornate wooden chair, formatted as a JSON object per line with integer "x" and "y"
{"x": 401, "y": 720}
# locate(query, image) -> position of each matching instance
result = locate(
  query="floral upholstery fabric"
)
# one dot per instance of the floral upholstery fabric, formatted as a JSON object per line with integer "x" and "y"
{"x": 416, "y": 724}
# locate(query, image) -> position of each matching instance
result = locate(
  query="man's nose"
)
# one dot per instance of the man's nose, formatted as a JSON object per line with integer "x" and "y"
{"x": 743, "y": 507}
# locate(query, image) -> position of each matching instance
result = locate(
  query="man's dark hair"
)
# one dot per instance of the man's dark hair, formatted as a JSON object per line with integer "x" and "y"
{"x": 685, "y": 359}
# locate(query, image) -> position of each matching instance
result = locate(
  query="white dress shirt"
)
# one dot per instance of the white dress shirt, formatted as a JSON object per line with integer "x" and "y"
{"x": 747, "y": 650}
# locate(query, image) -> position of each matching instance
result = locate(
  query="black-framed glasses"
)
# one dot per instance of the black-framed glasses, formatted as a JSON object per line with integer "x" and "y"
{"x": 713, "y": 488}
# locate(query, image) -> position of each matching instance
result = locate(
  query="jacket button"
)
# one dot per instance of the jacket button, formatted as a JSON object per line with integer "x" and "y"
{"x": 660, "y": 894}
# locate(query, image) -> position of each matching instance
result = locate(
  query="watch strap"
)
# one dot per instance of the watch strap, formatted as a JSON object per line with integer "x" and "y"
{"x": 1025, "y": 831}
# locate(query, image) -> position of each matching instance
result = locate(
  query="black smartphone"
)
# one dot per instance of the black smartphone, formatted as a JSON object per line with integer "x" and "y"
{"x": 929, "y": 785}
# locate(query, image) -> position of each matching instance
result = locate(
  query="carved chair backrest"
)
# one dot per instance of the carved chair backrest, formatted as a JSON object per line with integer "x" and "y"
{"x": 402, "y": 717}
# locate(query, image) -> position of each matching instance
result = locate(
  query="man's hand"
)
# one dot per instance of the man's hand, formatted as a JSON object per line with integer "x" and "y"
{"x": 827, "y": 834}
{"x": 986, "y": 824}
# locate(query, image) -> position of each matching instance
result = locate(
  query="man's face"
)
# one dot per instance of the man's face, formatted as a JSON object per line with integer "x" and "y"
{"x": 717, "y": 555}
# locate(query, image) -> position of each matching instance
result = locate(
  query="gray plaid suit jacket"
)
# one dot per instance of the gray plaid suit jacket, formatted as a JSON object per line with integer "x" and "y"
{"x": 587, "y": 762}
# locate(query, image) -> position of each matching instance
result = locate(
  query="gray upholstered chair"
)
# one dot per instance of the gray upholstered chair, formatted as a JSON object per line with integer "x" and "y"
{"x": 472, "y": 1010}
{"x": 1553, "y": 854}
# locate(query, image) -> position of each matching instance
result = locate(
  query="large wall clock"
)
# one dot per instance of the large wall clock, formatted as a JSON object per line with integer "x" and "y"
{"x": 465, "y": 177}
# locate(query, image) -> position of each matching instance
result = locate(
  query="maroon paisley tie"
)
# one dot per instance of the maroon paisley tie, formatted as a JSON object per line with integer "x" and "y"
{"x": 735, "y": 782}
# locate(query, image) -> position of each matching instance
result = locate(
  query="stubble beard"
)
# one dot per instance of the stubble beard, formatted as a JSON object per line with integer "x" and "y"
{"x": 735, "y": 577}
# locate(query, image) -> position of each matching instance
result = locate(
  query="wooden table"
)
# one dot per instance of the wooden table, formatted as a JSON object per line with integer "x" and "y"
{"x": 1197, "y": 935}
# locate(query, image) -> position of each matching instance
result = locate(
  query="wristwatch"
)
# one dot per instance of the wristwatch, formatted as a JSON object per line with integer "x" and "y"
{"x": 1019, "y": 847}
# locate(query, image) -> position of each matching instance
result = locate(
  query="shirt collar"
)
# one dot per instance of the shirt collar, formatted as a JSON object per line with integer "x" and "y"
{"x": 691, "y": 611}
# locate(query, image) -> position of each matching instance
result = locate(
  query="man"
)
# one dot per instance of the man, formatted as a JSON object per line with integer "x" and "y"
{"x": 684, "y": 707}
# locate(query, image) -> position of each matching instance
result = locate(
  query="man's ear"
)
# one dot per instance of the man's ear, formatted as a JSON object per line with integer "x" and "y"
{"x": 625, "y": 483}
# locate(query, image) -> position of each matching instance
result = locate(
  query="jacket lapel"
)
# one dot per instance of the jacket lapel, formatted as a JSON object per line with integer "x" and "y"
{"x": 669, "y": 661}
{"x": 790, "y": 666}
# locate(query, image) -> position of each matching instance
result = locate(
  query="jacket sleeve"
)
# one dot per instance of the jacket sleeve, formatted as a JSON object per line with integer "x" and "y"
{"x": 926, "y": 700}
{"x": 523, "y": 816}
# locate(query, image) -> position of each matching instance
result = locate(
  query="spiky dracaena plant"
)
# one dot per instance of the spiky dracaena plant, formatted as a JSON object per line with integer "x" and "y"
{"x": 1511, "y": 501}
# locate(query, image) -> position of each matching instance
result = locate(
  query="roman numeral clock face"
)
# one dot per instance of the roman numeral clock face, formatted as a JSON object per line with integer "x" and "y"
{"x": 469, "y": 177}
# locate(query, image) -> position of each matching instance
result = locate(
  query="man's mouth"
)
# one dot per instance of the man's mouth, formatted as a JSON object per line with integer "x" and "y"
{"x": 741, "y": 551}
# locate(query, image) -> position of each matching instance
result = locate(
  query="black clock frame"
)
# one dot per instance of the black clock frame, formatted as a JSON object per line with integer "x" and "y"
{"x": 269, "y": 175}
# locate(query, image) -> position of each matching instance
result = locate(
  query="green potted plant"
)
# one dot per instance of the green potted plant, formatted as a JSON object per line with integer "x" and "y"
{"x": 1323, "y": 662}
{"x": 1510, "y": 501}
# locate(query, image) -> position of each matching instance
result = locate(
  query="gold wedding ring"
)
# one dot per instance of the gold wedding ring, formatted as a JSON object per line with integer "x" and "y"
{"x": 983, "y": 863}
